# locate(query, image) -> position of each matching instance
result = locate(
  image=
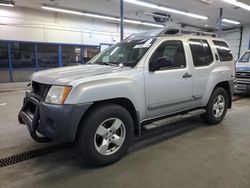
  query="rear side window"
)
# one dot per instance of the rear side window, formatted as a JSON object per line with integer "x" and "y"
{"x": 224, "y": 51}
{"x": 201, "y": 52}
{"x": 245, "y": 58}
{"x": 208, "y": 52}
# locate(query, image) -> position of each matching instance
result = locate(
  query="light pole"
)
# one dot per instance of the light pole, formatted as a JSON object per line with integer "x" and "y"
{"x": 220, "y": 21}
{"x": 121, "y": 21}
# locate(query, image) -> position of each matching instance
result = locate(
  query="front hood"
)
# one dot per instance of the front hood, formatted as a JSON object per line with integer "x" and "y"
{"x": 243, "y": 67}
{"x": 65, "y": 75}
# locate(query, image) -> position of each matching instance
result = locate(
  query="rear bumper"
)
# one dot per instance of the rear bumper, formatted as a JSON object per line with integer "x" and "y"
{"x": 54, "y": 122}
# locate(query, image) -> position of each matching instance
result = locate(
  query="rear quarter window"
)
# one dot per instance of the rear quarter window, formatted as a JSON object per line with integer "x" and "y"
{"x": 224, "y": 51}
{"x": 208, "y": 52}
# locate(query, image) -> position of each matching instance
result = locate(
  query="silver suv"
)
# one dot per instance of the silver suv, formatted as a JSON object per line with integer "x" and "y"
{"x": 149, "y": 80}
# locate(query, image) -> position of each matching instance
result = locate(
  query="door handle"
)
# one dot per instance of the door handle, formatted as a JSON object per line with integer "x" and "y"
{"x": 186, "y": 75}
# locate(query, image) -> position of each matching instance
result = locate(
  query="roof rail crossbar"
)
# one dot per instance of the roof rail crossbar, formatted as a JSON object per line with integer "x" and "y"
{"x": 198, "y": 32}
{"x": 171, "y": 31}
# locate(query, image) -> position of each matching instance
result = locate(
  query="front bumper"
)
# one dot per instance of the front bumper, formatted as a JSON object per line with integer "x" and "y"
{"x": 243, "y": 84}
{"x": 54, "y": 122}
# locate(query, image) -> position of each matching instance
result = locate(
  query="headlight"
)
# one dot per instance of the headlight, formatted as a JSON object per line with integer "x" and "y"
{"x": 58, "y": 94}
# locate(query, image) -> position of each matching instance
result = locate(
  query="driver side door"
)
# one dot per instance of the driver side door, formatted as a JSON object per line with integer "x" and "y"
{"x": 168, "y": 80}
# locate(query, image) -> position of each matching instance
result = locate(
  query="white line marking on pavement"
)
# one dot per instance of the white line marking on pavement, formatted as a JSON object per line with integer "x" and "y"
{"x": 3, "y": 104}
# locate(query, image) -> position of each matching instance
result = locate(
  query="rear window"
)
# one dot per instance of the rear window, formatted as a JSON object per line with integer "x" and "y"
{"x": 224, "y": 51}
{"x": 245, "y": 58}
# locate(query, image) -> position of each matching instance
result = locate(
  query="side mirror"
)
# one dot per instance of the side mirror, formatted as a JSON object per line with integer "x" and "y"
{"x": 152, "y": 68}
{"x": 157, "y": 64}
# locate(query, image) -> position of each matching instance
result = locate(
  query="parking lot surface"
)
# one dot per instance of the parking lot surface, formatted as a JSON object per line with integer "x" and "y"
{"x": 204, "y": 156}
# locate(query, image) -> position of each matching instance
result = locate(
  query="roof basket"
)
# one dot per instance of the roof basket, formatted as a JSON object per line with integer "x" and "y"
{"x": 174, "y": 31}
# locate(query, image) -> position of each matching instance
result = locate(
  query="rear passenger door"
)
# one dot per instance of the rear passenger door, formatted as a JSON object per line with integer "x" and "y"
{"x": 202, "y": 60}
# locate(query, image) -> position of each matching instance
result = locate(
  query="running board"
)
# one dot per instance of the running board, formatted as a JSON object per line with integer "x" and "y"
{"x": 173, "y": 119}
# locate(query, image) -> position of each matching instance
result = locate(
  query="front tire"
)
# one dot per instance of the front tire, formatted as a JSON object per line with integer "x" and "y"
{"x": 105, "y": 134}
{"x": 217, "y": 107}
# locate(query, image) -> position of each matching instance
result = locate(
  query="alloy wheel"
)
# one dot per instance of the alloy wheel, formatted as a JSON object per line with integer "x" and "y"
{"x": 110, "y": 136}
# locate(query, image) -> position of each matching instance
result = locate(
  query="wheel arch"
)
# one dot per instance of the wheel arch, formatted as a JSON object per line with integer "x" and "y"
{"x": 225, "y": 85}
{"x": 124, "y": 102}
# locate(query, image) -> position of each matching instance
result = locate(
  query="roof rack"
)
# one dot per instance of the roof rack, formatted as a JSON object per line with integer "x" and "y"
{"x": 167, "y": 31}
{"x": 174, "y": 31}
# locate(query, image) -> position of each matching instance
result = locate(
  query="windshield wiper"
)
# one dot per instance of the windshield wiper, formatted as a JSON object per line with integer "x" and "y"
{"x": 111, "y": 64}
{"x": 107, "y": 63}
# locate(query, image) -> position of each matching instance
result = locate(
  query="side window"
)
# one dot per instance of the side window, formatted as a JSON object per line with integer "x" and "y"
{"x": 198, "y": 52}
{"x": 169, "y": 55}
{"x": 208, "y": 52}
{"x": 224, "y": 51}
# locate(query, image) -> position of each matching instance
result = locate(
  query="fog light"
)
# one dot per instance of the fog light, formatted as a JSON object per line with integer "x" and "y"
{"x": 50, "y": 125}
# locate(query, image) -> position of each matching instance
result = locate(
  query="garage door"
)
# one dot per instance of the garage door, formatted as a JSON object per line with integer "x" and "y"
{"x": 233, "y": 39}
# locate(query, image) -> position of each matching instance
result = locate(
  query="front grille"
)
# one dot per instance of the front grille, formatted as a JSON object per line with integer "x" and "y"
{"x": 243, "y": 75}
{"x": 40, "y": 90}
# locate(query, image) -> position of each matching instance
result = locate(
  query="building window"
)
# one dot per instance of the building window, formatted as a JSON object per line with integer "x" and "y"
{"x": 4, "y": 56}
{"x": 47, "y": 55}
{"x": 71, "y": 55}
{"x": 89, "y": 52}
{"x": 104, "y": 46}
{"x": 23, "y": 55}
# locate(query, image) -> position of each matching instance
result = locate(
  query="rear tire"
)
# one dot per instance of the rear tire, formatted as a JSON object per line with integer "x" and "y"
{"x": 105, "y": 134}
{"x": 217, "y": 107}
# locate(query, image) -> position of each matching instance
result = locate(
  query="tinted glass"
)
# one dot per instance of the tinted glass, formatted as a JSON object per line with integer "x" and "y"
{"x": 47, "y": 55}
{"x": 71, "y": 55}
{"x": 208, "y": 52}
{"x": 169, "y": 55}
{"x": 224, "y": 51}
{"x": 245, "y": 58}
{"x": 198, "y": 53}
{"x": 23, "y": 55}
{"x": 4, "y": 57}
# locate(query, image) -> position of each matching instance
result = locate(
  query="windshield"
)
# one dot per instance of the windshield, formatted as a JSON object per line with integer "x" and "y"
{"x": 245, "y": 58}
{"x": 127, "y": 53}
